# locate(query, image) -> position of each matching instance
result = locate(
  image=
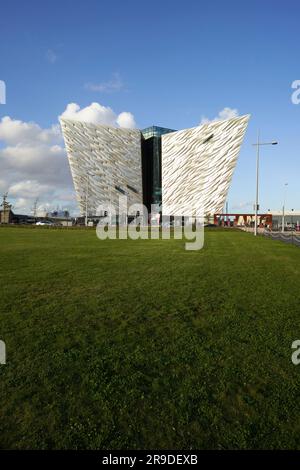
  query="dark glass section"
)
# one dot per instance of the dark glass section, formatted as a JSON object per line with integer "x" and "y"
{"x": 151, "y": 164}
{"x": 155, "y": 131}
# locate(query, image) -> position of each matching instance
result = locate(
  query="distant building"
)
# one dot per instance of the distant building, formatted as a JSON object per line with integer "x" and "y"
{"x": 6, "y": 214}
{"x": 291, "y": 219}
{"x": 243, "y": 220}
{"x": 270, "y": 220}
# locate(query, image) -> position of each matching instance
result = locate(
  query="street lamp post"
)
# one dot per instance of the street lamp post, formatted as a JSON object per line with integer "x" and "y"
{"x": 258, "y": 145}
{"x": 87, "y": 198}
{"x": 292, "y": 220}
{"x": 283, "y": 207}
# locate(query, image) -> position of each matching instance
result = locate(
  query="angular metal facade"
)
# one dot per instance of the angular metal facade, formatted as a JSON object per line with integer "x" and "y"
{"x": 197, "y": 166}
{"x": 193, "y": 175}
{"x": 105, "y": 163}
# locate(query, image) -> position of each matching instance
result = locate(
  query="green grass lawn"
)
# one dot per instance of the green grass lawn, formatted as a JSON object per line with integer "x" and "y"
{"x": 141, "y": 344}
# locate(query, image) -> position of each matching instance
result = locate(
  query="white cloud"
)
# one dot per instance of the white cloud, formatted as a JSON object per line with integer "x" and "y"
{"x": 14, "y": 131}
{"x": 225, "y": 113}
{"x": 95, "y": 113}
{"x": 126, "y": 119}
{"x": 111, "y": 86}
{"x": 29, "y": 189}
{"x": 33, "y": 164}
{"x": 33, "y": 159}
{"x": 2, "y": 185}
{"x": 20, "y": 205}
{"x": 51, "y": 56}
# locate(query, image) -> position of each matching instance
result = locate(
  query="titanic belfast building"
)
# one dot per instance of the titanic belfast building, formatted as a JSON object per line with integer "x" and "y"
{"x": 179, "y": 171}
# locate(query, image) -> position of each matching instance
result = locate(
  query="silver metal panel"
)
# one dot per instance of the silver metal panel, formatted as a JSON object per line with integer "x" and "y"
{"x": 197, "y": 166}
{"x": 109, "y": 157}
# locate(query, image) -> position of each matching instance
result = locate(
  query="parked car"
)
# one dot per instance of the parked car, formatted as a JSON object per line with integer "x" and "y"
{"x": 44, "y": 222}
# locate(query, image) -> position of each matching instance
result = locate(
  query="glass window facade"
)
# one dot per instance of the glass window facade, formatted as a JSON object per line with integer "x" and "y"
{"x": 155, "y": 131}
{"x": 151, "y": 164}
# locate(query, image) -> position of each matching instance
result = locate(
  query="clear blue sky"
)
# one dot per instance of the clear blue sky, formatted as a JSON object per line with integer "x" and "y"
{"x": 177, "y": 61}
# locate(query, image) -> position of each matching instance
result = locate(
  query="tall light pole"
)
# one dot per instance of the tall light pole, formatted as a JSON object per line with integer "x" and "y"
{"x": 87, "y": 198}
{"x": 283, "y": 207}
{"x": 258, "y": 145}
